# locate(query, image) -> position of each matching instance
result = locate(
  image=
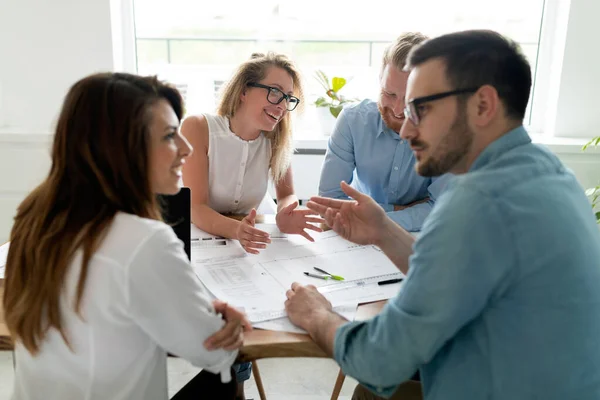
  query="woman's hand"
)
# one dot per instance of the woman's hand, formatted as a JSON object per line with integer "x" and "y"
{"x": 249, "y": 237}
{"x": 231, "y": 336}
{"x": 291, "y": 220}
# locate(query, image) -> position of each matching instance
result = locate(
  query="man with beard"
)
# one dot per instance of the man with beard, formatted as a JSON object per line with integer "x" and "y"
{"x": 502, "y": 294}
{"x": 366, "y": 150}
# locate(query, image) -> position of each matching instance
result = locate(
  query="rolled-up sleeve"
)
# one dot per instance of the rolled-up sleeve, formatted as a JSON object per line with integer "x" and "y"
{"x": 339, "y": 161}
{"x": 459, "y": 260}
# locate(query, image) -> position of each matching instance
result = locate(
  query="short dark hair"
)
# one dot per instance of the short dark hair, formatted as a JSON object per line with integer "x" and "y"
{"x": 481, "y": 57}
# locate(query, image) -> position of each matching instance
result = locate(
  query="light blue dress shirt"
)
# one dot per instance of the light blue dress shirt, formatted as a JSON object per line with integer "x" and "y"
{"x": 365, "y": 153}
{"x": 502, "y": 298}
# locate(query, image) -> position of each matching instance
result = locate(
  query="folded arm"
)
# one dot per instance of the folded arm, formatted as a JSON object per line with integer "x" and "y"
{"x": 166, "y": 300}
{"x": 412, "y": 216}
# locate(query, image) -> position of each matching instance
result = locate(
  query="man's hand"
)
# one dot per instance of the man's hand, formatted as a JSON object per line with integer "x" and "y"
{"x": 231, "y": 336}
{"x": 304, "y": 303}
{"x": 290, "y": 220}
{"x": 361, "y": 220}
{"x": 249, "y": 237}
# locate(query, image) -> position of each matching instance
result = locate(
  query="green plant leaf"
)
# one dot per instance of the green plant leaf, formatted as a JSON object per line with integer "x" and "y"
{"x": 335, "y": 110}
{"x": 594, "y": 142}
{"x": 598, "y": 216}
{"x": 338, "y": 83}
{"x": 322, "y": 102}
{"x": 322, "y": 79}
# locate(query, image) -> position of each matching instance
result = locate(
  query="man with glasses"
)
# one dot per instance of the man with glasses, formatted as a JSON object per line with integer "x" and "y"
{"x": 366, "y": 150}
{"x": 502, "y": 295}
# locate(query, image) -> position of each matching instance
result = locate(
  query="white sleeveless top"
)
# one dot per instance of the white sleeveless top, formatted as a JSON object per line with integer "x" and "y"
{"x": 238, "y": 170}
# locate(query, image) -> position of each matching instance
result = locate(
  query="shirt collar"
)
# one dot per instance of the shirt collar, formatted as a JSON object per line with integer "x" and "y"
{"x": 514, "y": 138}
{"x": 383, "y": 128}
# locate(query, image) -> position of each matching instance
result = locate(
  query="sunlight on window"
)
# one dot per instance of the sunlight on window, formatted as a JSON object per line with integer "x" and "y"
{"x": 198, "y": 44}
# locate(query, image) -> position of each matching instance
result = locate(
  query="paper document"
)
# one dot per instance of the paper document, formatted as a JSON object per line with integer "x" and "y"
{"x": 352, "y": 264}
{"x": 273, "y": 231}
{"x": 242, "y": 283}
{"x": 258, "y": 283}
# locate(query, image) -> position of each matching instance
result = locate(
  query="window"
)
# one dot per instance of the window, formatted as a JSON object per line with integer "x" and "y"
{"x": 198, "y": 44}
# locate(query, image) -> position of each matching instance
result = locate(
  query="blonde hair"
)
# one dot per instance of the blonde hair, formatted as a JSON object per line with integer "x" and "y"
{"x": 254, "y": 70}
{"x": 397, "y": 52}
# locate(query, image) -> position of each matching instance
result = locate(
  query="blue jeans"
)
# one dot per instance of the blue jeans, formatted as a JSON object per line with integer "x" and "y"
{"x": 242, "y": 371}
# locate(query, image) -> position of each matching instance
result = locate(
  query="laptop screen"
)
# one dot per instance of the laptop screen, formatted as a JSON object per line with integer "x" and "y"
{"x": 176, "y": 211}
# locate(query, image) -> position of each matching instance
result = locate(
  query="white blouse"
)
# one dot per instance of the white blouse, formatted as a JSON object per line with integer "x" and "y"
{"x": 238, "y": 170}
{"x": 141, "y": 300}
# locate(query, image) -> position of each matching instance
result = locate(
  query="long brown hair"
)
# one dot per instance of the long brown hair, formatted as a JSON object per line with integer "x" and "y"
{"x": 100, "y": 166}
{"x": 255, "y": 70}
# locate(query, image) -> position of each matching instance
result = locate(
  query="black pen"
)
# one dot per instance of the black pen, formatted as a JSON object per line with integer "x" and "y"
{"x": 389, "y": 281}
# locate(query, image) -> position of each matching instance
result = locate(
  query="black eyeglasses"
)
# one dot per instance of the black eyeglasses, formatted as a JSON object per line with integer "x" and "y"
{"x": 411, "y": 110}
{"x": 276, "y": 96}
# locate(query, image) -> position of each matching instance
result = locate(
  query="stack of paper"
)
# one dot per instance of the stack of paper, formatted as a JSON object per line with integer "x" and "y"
{"x": 257, "y": 283}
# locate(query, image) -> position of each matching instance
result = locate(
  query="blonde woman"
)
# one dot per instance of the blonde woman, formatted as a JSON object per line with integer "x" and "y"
{"x": 237, "y": 149}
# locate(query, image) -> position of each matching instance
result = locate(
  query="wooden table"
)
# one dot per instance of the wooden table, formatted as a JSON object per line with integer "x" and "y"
{"x": 270, "y": 344}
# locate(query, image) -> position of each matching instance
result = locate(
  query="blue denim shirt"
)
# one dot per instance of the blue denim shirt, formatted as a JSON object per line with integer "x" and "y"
{"x": 502, "y": 297}
{"x": 371, "y": 157}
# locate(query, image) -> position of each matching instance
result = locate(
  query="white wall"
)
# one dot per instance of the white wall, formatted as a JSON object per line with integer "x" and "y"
{"x": 45, "y": 46}
{"x": 577, "y": 113}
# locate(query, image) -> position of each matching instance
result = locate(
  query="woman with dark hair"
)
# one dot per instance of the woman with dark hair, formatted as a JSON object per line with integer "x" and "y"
{"x": 97, "y": 288}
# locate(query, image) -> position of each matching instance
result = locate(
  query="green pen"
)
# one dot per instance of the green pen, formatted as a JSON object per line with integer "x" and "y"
{"x": 334, "y": 277}
{"x": 324, "y": 277}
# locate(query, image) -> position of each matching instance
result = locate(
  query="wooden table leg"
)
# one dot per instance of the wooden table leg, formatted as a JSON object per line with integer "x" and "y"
{"x": 258, "y": 380}
{"x": 339, "y": 382}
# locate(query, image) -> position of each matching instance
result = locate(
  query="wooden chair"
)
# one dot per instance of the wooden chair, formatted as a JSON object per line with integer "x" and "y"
{"x": 270, "y": 344}
{"x": 364, "y": 312}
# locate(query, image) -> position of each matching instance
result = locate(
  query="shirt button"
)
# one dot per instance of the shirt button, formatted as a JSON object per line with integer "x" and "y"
{"x": 395, "y": 168}
{"x": 236, "y": 202}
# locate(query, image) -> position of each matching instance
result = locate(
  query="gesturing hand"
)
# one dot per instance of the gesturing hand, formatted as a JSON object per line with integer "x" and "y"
{"x": 291, "y": 220}
{"x": 360, "y": 220}
{"x": 249, "y": 237}
{"x": 231, "y": 336}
